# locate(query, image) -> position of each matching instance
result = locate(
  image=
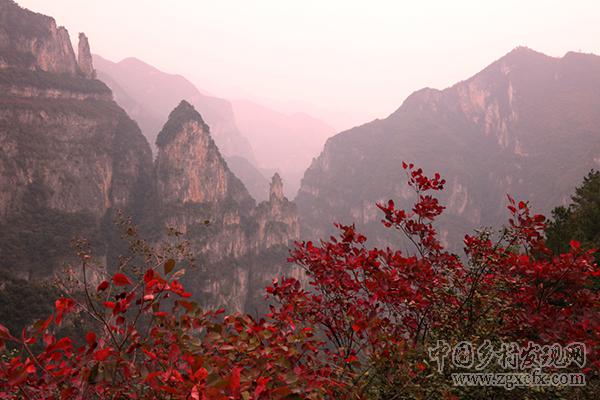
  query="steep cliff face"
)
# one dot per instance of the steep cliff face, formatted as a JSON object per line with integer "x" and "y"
{"x": 33, "y": 41}
{"x": 526, "y": 126}
{"x": 189, "y": 167}
{"x": 199, "y": 196}
{"x": 71, "y": 157}
{"x": 69, "y": 154}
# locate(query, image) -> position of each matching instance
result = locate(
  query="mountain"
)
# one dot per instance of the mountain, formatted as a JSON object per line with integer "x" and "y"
{"x": 155, "y": 93}
{"x": 71, "y": 159}
{"x": 195, "y": 187}
{"x": 527, "y": 125}
{"x": 284, "y": 142}
{"x": 266, "y": 139}
{"x": 70, "y": 155}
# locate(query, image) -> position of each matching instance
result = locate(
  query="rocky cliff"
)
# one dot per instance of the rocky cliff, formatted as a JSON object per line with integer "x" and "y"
{"x": 199, "y": 196}
{"x": 70, "y": 155}
{"x": 33, "y": 41}
{"x": 527, "y": 125}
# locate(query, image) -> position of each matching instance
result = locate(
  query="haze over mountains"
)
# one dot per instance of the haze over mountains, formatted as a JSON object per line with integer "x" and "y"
{"x": 284, "y": 142}
{"x": 268, "y": 140}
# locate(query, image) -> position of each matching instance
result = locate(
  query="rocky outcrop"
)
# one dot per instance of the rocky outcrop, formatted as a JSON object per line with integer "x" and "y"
{"x": 84, "y": 58}
{"x": 33, "y": 41}
{"x": 70, "y": 155}
{"x": 276, "y": 189}
{"x": 198, "y": 196}
{"x": 189, "y": 167}
{"x": 277, "y": 218}
{"x": 527, "y": 125}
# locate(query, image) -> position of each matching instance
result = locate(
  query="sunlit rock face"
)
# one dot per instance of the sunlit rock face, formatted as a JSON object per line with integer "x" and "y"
{"x": 527, "y": 125}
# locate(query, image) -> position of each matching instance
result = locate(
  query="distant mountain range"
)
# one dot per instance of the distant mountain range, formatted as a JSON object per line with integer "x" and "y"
{"x": 269, "y": 140}
{"x": 283, "y": 142}
{"x": 155, "y": 93}
{"x": 528, "y": 125}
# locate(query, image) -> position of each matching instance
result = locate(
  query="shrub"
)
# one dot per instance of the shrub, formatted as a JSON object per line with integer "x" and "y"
{"x": 361, "y": 328}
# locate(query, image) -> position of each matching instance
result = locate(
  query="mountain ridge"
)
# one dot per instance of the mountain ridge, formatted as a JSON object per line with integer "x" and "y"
{"x": 490, "y": 134}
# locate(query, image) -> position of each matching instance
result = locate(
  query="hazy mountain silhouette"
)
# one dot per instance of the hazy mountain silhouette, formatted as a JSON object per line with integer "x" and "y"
{"x": 284, "y": 142}
{"x": 527, "y": 125}
{"x": 155, "y": 93}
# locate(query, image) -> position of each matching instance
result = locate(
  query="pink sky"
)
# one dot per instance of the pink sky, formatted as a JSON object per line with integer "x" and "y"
{"x": 344, "y": 61}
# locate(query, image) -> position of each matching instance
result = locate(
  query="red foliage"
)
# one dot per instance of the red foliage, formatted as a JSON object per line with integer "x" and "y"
{"x": 367, "y": 313}
{"x": 375, "y": 304}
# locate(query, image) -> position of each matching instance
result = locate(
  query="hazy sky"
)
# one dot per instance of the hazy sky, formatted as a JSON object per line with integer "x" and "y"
{"x": 345, "y": 61}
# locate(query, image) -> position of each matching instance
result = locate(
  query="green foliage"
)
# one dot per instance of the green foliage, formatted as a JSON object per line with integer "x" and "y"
{"x": 580, "y": 220}
{"x": 23, "y": 302}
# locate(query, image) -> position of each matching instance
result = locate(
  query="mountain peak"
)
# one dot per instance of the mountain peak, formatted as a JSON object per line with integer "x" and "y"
{"x": 182, "y": 114}
{"x": 523, "y": 54}
{"x": 185, "y": 108}
{"x": 523, "y": 50}
{"x": 84, "y": 57}
{"x": 276, "y": 188}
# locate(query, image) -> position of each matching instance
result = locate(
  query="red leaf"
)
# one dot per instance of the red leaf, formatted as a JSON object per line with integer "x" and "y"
{"x": 261, "y": 386}
{"x": 102, "y": 354}
{"x": 5, "y": 334}
{"x": 62, "y": 305}
{"x": 102, "y": 286}
{"x": 351, "y": 358}
{"x": 120, "y": 279}
{"x": 90, "y": 338}
{"x": 234, "y": 381}
{"x": 149, "y": 275}
{"x": 109, "y": 304}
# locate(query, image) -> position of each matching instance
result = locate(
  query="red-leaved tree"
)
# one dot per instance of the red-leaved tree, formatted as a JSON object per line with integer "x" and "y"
{"x": 359, "y": 326}
{"x": 381, "y": 309}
